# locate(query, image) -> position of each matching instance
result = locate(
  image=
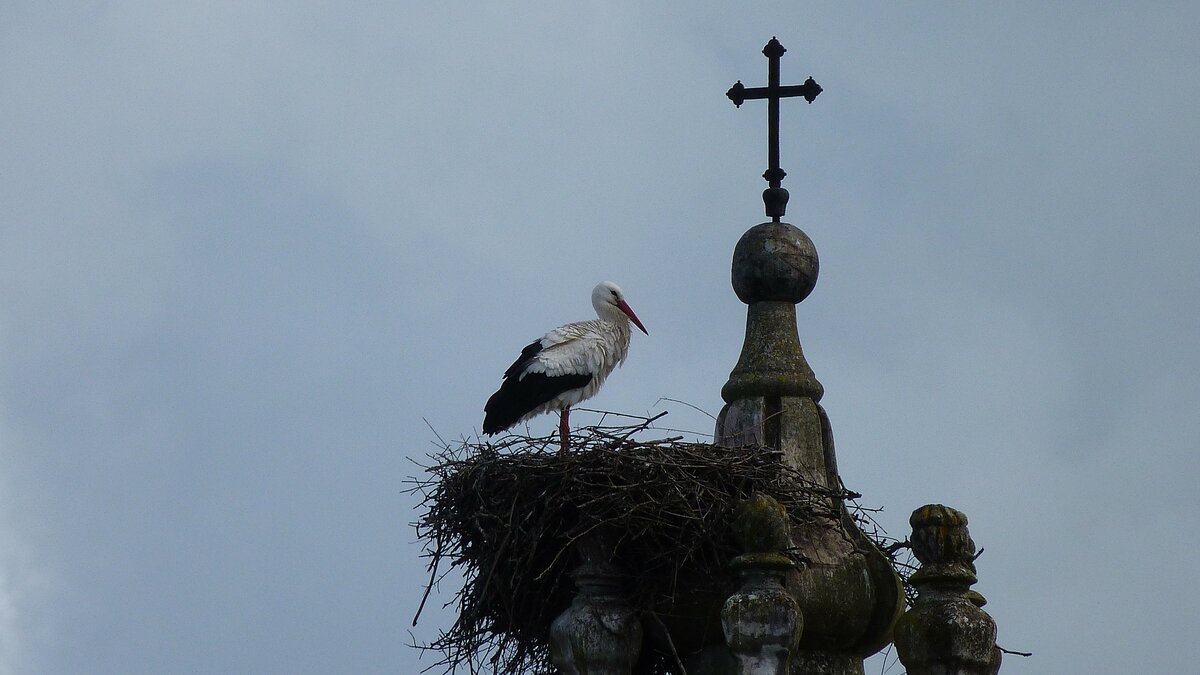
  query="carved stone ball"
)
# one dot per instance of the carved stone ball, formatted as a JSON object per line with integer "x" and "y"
{"x": 774, "y": 261}
{"x": 760, "y": 525}
{"x": 940, "y": 535}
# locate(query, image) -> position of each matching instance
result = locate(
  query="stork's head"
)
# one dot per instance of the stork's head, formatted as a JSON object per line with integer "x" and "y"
{"x": 607, "y": 297}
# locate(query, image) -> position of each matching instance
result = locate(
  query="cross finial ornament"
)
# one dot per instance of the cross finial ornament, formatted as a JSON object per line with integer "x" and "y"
{"x": 775, "y": 197}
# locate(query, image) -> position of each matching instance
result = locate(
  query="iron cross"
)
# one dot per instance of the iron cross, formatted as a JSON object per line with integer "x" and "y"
{"x": 775, "y": 197}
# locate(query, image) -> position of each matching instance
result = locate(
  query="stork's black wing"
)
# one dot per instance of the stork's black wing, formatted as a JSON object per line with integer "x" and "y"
{"x": 518, "y": 396}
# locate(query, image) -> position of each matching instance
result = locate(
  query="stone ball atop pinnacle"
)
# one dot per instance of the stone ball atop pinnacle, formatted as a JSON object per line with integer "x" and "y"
{"x": 774, "y": 262}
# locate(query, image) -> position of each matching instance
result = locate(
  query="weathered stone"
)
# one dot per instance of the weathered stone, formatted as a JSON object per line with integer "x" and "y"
{"x": 774, "y": 262}
{"x": 599, "y": 634}
{"x": 942, "y": 543}
{"x": 847, "y": 591}
{"x": 772, "y": 362}
{"x": 761, "y": 621}
{"x": 760, "y": 525}
{"x": 946, "y": 632}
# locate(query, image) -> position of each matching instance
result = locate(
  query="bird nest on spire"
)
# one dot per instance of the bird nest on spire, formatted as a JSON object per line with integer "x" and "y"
{"x": 508, "y": 515}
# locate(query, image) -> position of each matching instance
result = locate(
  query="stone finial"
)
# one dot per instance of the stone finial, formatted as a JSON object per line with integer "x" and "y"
{"x": 849, "y": 595}
{"x": 760, "y": 527}
{"x": 774, "y": 267}
{"x": 774, "y": 262}
{"x": 941, "y": 542}
{"x": 946, "y": 632}
{"x": 599, "y": 634}
{"x": 761, "y": 621}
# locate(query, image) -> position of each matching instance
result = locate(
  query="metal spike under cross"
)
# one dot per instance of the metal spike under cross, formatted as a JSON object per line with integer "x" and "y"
{"x": 775, "y": 197}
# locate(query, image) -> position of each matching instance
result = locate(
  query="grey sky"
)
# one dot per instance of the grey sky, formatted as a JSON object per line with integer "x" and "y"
{"x": 244, "y": 250}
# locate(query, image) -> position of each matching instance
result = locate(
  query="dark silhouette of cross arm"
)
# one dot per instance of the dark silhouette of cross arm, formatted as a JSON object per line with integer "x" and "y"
{"x": 775, "y": 197}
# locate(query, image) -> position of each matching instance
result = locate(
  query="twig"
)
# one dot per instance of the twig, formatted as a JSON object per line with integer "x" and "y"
{"x": 693, "y": 407}
{"x": 670, "y": 643}
{"x": 435, "y": 433}
{"x": 433, "y": 568}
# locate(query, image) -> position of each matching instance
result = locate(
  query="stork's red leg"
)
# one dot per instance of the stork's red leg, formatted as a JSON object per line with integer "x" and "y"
{"x": 563, "y": 429}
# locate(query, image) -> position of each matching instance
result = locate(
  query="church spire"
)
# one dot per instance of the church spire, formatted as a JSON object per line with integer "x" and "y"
{"x": 847, "y": 594}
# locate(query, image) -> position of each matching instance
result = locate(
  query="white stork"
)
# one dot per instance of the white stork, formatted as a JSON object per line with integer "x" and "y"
{"x": 565, "y": 366}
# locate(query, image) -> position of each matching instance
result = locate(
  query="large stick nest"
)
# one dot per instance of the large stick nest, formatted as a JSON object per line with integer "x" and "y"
{"x": 507, "y": 515}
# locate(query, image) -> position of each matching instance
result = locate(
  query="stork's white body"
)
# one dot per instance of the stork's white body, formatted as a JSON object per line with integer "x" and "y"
{"x": 566, "y": 366}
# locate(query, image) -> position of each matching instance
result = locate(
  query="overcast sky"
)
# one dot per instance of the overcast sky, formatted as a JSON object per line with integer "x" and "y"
{"x": 246, "y": 249}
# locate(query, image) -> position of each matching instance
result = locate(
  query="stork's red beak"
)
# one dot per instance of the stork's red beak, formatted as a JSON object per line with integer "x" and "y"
{"x": 632, "y": 317}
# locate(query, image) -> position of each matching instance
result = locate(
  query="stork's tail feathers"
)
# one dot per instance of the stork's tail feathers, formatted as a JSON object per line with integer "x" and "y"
{"x": 496, "y": 420}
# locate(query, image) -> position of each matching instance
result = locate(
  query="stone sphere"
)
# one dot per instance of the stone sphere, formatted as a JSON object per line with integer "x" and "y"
{"x": 774, "y": 261}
